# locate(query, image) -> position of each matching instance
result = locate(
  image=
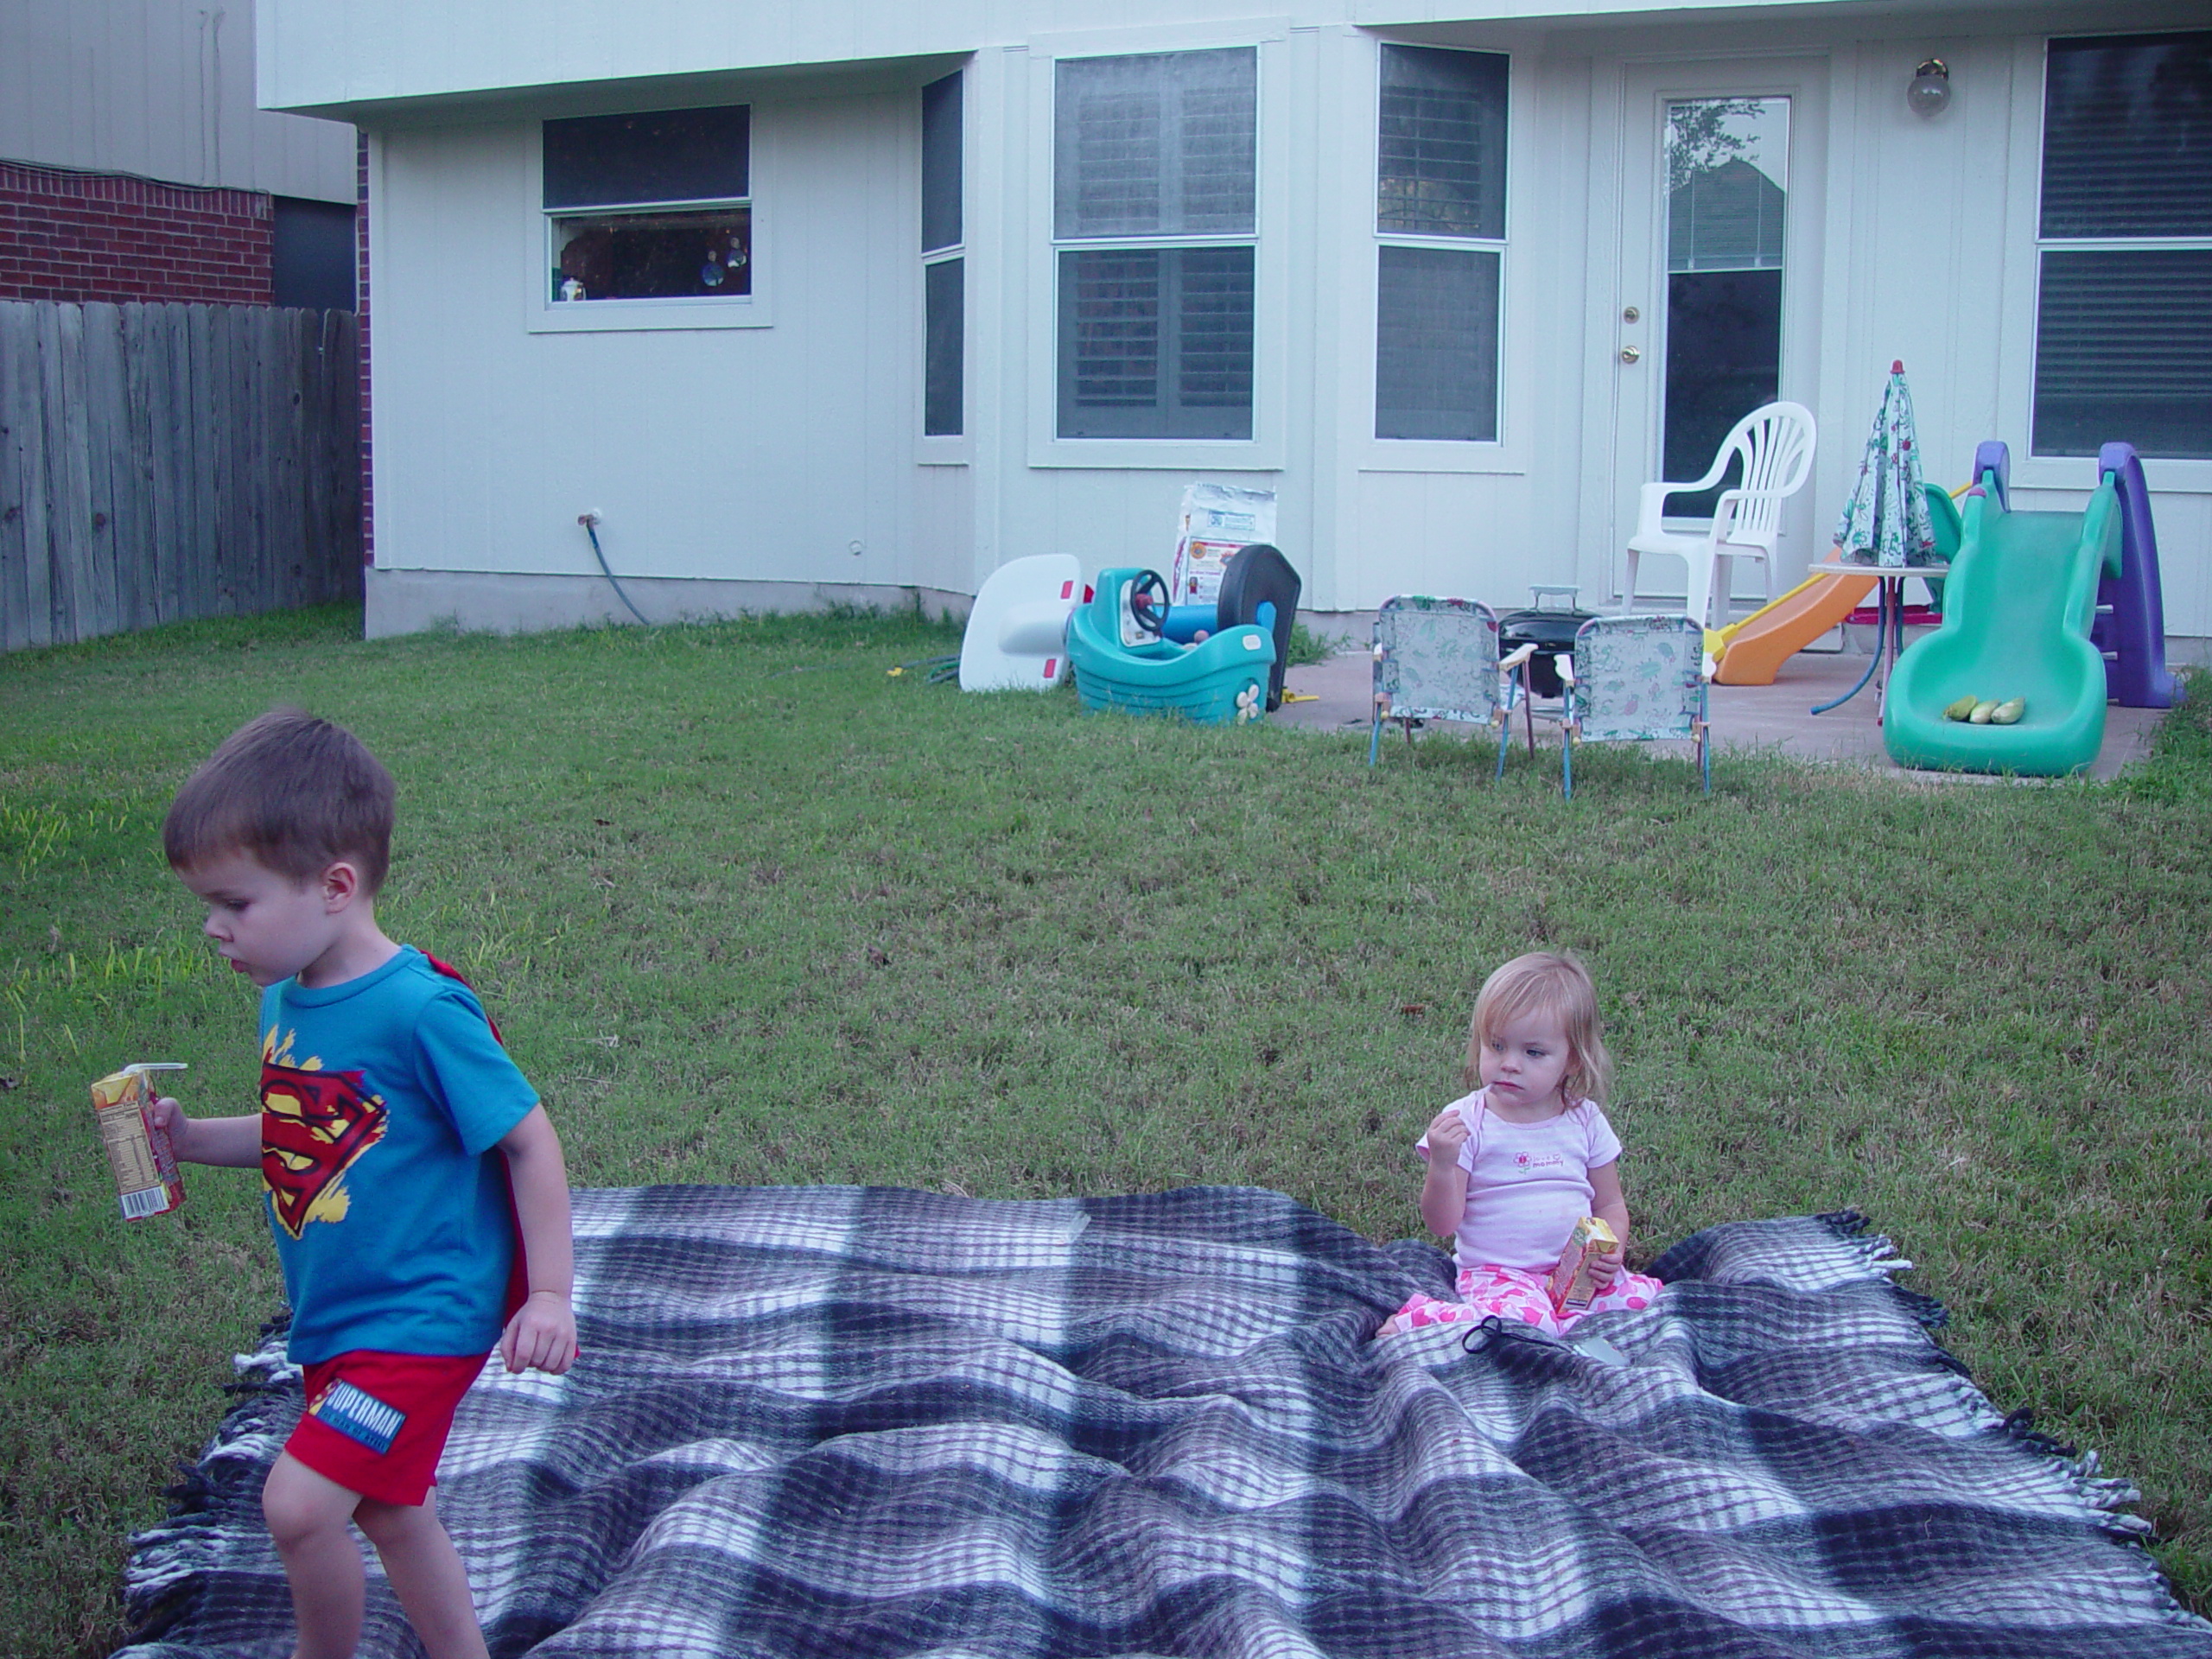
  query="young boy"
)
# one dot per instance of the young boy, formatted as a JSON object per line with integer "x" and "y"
{"x": 384, "y": 1094}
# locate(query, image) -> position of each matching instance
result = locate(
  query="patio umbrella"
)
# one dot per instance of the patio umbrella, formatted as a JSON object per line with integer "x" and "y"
{"x": 1886, "y": 521}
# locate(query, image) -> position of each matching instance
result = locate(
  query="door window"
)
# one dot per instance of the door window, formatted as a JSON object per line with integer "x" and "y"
{"x": 1727, "y": 165}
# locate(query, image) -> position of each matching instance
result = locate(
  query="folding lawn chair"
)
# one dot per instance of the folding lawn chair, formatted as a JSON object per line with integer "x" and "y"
{"x": 1437, "y": 659}
{"x": 1637, "y": 679}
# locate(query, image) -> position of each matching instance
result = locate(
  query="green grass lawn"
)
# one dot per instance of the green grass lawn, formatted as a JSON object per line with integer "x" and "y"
{"x": 750, "y": 909}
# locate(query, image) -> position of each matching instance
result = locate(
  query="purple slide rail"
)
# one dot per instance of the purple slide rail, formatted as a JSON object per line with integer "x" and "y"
{"x": 2130, "y": 630}
{"x": 2131, "y": 626}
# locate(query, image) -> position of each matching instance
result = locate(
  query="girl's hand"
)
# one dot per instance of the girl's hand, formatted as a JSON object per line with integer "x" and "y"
{"x": 1447, "y": 1133}
{"x": 542, "y": 1334}
{"x": 1603, "y": 1269}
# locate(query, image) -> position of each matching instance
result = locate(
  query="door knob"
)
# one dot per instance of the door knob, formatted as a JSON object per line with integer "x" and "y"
{"x": 1630, "y": 354}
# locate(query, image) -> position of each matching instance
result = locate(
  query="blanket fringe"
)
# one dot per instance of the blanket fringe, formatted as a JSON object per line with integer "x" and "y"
{"x": 2111, "y": 1500}
{"x": 165, "y": 1575}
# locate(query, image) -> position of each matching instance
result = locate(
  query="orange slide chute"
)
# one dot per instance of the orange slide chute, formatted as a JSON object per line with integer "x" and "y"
{"x": 1754, "y": 648}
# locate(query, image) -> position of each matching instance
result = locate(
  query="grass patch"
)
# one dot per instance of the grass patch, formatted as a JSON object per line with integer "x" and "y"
{"x": 749, "y": 909}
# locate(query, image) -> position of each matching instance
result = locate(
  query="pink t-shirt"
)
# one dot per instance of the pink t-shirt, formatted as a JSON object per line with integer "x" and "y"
{"x": 1527, "y": 1184}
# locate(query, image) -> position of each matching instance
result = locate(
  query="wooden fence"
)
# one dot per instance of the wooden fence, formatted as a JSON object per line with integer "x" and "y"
{"x": 161, "y": 462}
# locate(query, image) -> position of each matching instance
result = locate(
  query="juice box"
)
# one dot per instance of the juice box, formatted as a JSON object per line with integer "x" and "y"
{"x": 1570, "y": 1286}
{"x": 146, "y": 1179}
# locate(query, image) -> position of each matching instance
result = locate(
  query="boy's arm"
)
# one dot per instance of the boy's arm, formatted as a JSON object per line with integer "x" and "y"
{"x": 227, "y": 1142}
{"x": 543, "y": 1332}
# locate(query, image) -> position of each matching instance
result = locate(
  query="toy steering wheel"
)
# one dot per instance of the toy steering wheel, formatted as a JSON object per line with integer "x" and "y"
{"x": 1149, "y": 603}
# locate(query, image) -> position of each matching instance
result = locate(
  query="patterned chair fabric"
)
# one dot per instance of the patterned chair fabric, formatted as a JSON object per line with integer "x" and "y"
{"x": 1437, "y": 659}
{"x": 1638, "y": 679}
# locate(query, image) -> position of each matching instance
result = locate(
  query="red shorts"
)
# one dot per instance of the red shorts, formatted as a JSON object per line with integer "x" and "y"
{"x": 376, "y": 1423}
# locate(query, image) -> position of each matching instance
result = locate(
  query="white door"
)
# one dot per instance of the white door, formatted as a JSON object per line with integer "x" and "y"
{"x": 1716, "y": 301}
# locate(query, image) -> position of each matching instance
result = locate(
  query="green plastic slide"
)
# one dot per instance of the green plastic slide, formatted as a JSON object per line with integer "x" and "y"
{"x": 2016, "y": 611}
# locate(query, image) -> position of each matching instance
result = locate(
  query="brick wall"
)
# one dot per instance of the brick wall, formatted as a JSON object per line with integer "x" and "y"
{"x": 105, "y": 236}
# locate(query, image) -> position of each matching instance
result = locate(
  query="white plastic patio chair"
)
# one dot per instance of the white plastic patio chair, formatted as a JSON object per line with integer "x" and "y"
{"x": 1637, "y": 679}
{"x": 1775, "y": 441}
{"x": 1437, "y": 659}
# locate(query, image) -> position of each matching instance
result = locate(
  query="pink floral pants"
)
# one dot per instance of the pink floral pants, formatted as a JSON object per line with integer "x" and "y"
{"x": 1517, "y": 1297}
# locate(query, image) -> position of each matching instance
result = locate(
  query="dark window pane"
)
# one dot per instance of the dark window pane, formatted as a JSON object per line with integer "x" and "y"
{"x": 944, "y": 350}
{"x": 312, "y": 254}
{"x": 1436, "y": 345}
{"x": 2124, "y": 350}
{"x": 1441, "y": 143}
{"x": 2127, "y": 137}
{"x": 1155, "y": 343}
{"x": 1724, "y": 359}
{"x": 706, "y": 254}
{"x": 941, "y": 158}
{"x": 1157, "y": 144}
{"x": 662, "y": 155}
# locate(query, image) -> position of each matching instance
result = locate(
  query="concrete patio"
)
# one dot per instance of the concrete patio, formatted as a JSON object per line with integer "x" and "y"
{"x": 1778, "y": 717}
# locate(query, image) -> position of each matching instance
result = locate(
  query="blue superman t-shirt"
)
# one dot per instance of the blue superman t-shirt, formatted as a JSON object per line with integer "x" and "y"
{"x": 383, "y": 1100}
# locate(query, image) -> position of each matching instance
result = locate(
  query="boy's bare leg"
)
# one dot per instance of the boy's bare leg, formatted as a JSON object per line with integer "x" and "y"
{"x": 306, "y": 1514}
{"x": 425, "y": 1572}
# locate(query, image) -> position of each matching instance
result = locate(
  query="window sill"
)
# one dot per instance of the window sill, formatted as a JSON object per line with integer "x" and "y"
{"x": 1157, "y": 454}
{"x": 1435, "y": 455}
{"x": 2165, "y": 476}
{"x": 631, "y": 317}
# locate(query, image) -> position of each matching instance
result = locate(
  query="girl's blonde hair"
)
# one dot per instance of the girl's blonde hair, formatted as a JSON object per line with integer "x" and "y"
{"x": 1552, "y": 983}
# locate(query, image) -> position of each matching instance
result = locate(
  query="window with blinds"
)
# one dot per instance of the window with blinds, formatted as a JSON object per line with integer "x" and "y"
{"x": 1154, "y": 219}
{"x": 2124, "y": 292}
{"x": 1440, "y": 222}
{"x": 944, "y": 283}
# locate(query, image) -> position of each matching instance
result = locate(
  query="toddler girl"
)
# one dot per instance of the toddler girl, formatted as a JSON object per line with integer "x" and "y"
{"x": 1514, "y": 1165}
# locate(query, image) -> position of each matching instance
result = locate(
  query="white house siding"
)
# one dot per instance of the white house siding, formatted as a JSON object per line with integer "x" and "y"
{"x": 752, "y": 454}
{"x": 160, "y": 88}
{"x": 759, "y": 455}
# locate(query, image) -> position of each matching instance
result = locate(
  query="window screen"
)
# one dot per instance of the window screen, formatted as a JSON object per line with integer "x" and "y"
{"x": 1156, "y": 343}
{"x": 2127, "y": 137}
{"x": 2124, "y": 293}
{"x": 944, "y": 347}
{"x": 1155, "y": 144}
{"x": 941, "y": 164}
{"x": 2124, "y": 350}
{"x": 1436, "y": 344}
{"x": 1441, "y": 143}
{"x": 600, "y": 161}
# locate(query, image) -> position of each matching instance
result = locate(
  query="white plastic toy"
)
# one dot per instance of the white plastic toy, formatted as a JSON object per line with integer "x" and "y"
{"x": 1017, "y": 631}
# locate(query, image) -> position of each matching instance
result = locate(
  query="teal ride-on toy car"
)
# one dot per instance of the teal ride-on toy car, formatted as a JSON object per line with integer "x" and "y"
{"x": 1123, "y": 660}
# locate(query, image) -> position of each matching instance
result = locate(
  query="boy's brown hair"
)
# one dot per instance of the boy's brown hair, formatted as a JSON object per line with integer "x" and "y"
{"x": 294, "y": 793}
{"x": 1549, "y": 982}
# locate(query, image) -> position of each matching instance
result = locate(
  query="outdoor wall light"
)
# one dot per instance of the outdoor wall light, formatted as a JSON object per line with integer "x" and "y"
{"x": 1931, "y": 92}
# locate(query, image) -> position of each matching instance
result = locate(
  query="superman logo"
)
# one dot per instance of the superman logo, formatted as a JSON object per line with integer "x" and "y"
{"x": 314, "y": 1125}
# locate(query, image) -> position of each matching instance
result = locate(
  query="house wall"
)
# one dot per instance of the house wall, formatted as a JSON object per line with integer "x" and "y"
{"x": 162, "y": 89}
{"x": 756, "y": 453}
{"x": 748, "y": 461}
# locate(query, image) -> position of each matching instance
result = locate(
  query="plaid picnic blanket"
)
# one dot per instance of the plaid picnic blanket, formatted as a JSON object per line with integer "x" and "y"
{"x": 847, "y": 1422}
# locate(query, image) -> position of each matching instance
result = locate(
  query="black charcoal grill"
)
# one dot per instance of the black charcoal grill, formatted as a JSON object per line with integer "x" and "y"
{"x": 1550, "y": 628}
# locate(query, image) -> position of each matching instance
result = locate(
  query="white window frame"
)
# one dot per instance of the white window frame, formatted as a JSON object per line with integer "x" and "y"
{"x": 542, "y": 314}
{"x": 1264, "y": 451}
{"x": 946, "y": 448}
{"x": 2023, "y": 303}
{"x": 1506, "y": 454}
